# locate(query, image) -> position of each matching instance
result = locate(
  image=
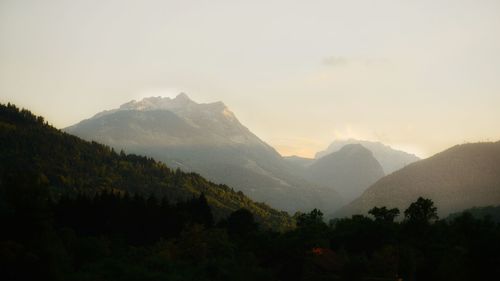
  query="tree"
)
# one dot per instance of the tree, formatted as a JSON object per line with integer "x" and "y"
{"x": 421, "y": 211}
{"x": 200, "y": 211}
{"x": 315, "y": 217}
{"x": 29, "y": 247}
{"x": 241, "y": 222}
{"x": 383, "y": 214}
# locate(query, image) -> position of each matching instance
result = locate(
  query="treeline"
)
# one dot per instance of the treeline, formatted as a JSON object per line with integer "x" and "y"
{"x": 74, "y": 210}
{"x": 115, "y": 236}
{"x": 132, "y": 219}
{"x": 491, "y": 212}
{"x": 71, "y": 166}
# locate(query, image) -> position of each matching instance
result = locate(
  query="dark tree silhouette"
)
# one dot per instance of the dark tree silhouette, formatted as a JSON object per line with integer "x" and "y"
{"x": 383, "y": 214}
{"x": 75, "y": 210}
{"x": 421, "y": 211}
{"x": 315, "y": 217}
{"x": 241, "y": 222}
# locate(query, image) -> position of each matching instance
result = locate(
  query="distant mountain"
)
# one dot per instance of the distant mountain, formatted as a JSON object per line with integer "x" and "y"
{"x": 207, "y": 139}
{"x": 351, "y": 170}
{"x": 299, "y": 161}
{"x": 461, "y": 177}
{"x": 158, "y": 121}
{"x": 390, "y": 159}
{"x": 69, "y": 165}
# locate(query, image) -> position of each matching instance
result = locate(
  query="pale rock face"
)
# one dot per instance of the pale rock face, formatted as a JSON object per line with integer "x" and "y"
{"x": 219, "y": 123}
{"x": 156, "y": 103}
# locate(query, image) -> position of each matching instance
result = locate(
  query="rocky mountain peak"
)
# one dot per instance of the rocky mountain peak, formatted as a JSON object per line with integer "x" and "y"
{"x": 182, "y": 97}
{"x": 158, "y": 103}
{"x": 390, "y": 159}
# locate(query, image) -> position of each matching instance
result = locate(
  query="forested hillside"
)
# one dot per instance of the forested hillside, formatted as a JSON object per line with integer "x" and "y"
{"x": 490, "y": 213}
{"x": 459, "y": 178}
{"x": 73, "y": 210}
{"x": 70, "y": 165}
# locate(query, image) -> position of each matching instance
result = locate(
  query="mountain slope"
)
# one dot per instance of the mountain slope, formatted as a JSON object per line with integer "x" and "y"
{"x": 461, "y": 177}
{"x": 72, "y": 165}
{"x": 207, "y": 139}
{"x": 351, "y": 170}
{"x": 298, "y": 161}
{"x": 390, "y": 159}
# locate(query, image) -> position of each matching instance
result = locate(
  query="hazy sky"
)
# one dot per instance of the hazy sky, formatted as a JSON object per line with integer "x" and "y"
{"x": 418, "y": 75}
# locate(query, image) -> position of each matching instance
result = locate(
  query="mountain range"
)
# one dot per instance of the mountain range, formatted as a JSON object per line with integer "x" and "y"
{"x": 351, "y": 170}
{"x": 390, "y": 159}
{"x": 458, "y": 178}
{"x": 207, "y": 139}
{"x": 349, "y": 177}
{"x": 71, "y": 166}
{"x": 351, "y": 166}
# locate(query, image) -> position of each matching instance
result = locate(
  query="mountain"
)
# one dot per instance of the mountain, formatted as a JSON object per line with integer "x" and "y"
{"x": 207, "y": 139}
{"x": 299, "y": 161}
{"x": 351, "y": 170}
{"x": 158, "y": 121}
{"x": 390, "y": 159}
{"x": 461, "y": 177}
{"x": 69, "y": 165}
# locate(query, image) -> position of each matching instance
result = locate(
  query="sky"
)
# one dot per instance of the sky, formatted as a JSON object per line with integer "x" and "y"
{"x": 418, "y": 75}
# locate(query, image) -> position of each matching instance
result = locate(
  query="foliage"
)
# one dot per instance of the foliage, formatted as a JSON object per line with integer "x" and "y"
{"x": 74, "y": 166}
{"x": 490, "y": 212}
{"x": 383, "y": 214}
{"x": 421, "y": 211}
{"x": 118, "y": 236}
{"x": 315, "y": 217}
{"x": 240, "y": 223}
{"x": 114, "y": 233}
